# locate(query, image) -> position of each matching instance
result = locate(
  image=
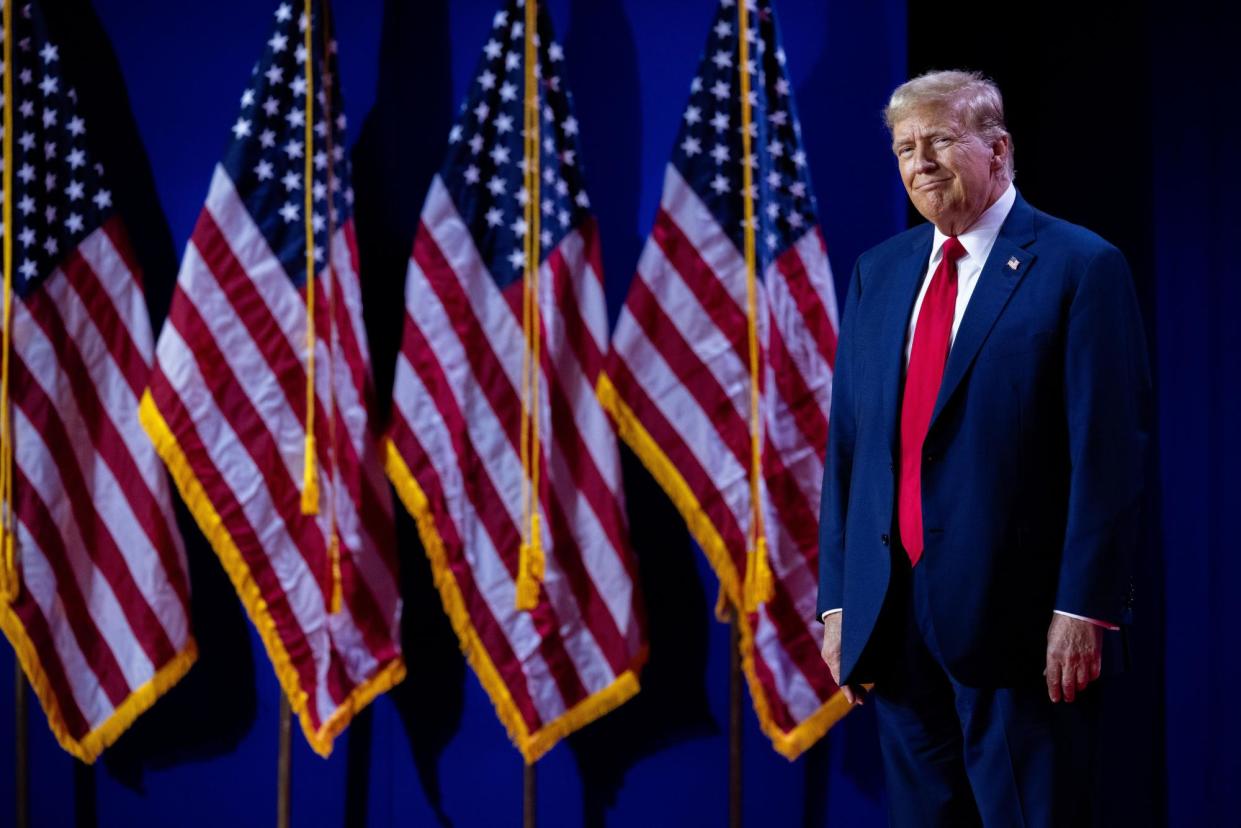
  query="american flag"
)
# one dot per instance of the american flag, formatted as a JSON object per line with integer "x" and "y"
{"x": 454, "y": 454}
{"x": 678, "y": 377}
{"x": 101, "y": 619}
{"x": 227, "y": 403}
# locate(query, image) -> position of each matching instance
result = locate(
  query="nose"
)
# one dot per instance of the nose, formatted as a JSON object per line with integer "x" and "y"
{"x": 923, "y": 160}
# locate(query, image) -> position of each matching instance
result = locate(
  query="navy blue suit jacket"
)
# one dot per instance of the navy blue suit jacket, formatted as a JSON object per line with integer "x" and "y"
{"x": 1033, "y": 461}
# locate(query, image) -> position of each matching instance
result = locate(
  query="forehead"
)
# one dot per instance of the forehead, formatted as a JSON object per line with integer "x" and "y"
{"x": 927, "y": 120}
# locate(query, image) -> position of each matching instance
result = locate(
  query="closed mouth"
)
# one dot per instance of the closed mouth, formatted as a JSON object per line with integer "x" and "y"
{"x": 929, "y": 184}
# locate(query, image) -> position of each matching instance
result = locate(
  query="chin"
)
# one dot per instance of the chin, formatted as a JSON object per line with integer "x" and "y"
{"x": 932, "y": 209}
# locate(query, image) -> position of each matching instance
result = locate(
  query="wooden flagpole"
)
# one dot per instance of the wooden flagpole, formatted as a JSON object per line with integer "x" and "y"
{"x": 85, "y": 795}
{"x": 734, "y": 724}
{"x": 529, "y": 797}
{"x": 530, "y": 557}
{"x": 8, "y": 570}
{"x": 284, "y": 766}
{"x": 757, "y": 586}
{"x": 310, "y": 471}
{"x": 21, "y": 755}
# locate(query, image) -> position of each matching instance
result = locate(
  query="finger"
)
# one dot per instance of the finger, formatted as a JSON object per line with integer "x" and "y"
{"x": 1085, "y": 674}
{"x": 849, "y": 695}
{"x": 1053, "y": 679}
{"x": 1069, "y": 683}
{"x": 1096, "y": 668}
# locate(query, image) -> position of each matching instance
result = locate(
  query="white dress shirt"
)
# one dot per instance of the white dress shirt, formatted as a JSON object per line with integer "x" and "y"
{"x": 977, "y": 241}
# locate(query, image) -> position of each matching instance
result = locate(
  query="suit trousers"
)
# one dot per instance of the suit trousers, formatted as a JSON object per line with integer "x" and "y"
{"x": 959, "y": 756}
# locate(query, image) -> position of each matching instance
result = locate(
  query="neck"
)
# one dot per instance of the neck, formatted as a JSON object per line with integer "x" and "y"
{"x": 958, "y": 224}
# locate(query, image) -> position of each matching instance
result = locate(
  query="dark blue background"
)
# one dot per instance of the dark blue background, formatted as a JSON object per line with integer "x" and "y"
{"x": 1124, "y": 119}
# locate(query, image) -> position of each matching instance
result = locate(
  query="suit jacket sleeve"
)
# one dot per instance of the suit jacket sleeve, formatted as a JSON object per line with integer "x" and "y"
{"x": 1107, "y": 396}
{"x": 838, "y": 466}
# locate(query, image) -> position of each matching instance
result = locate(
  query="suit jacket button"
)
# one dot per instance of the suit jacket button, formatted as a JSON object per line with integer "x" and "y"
{"x": 883, "y": 539}
{"x": 930, "y": 458}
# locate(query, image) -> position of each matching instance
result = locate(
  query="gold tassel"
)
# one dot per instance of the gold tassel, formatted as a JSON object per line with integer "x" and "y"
{"x": 724, "y": 611}
{"x": 758, "y": 579}
{"x": 8, "y": 518}
{"x": 310, "y": 471}
{"x": 11, "y": 587}
{"x": 758, "y": 585}
{"x": 310, "y": 478}
{"x": 530, "y": 566}
{"x": 530, "y": 560}
{"x": 337, "y": 591}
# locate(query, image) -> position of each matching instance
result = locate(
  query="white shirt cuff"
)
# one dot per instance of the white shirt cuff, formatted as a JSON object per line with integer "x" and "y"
{"x": 1105, "y": 625}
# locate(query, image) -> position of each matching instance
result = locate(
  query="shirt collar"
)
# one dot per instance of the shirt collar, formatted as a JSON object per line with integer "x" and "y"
{"x": 980, "y": 238}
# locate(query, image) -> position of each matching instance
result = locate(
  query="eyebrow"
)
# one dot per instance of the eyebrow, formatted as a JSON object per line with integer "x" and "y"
{"x": 930, "y": 136}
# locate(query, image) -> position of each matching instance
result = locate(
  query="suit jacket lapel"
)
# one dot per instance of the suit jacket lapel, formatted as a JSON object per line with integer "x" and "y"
{"x": 1002, "y": 272}
{"x": 900, "y": 303}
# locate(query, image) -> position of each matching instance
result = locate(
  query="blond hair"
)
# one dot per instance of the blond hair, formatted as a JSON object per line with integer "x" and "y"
{"x": 973, "y": 96}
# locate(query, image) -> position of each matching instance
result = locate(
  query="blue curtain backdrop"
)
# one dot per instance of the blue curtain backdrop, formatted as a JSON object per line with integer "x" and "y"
{"x": 1195, "y": 237}
{"x": 1125, "y": 117}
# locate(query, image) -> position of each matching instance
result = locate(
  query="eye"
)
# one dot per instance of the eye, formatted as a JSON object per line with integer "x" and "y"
{"x": 943, "y": 141}
{"x": 904, "y": 150}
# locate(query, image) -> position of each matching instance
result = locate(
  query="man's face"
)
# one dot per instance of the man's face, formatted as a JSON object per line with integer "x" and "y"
{"x": 951, "y": 174}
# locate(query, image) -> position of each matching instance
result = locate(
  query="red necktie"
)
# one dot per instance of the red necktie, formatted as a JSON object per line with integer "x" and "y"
{"x": 922, "y": 380}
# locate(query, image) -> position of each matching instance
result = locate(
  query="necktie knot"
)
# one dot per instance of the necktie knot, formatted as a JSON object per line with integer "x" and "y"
{"x": 953, "y": 250}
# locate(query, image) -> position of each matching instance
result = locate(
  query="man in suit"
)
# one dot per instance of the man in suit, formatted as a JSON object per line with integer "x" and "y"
{"x": 983, "y": 469}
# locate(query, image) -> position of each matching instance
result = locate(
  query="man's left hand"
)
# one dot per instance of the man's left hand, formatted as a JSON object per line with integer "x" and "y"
{"x": 1074, "y": 656}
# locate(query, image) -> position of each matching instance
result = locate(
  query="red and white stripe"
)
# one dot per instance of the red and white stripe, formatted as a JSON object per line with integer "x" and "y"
{"x": 102, "y": 619}
{"x": 229, "y": 382}
{"x": 457, "y": 412}
{"x": 680, "y": 363}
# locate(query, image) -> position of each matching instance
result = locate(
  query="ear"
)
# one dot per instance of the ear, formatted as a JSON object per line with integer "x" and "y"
{"x": 1000, "y": 148}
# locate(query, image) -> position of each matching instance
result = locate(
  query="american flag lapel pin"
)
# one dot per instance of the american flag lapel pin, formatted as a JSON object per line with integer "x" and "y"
{"x": 1013, "y": 264}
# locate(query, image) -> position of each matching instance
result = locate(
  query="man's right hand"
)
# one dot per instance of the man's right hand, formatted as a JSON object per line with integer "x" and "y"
{"x": 831, "y": 655}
